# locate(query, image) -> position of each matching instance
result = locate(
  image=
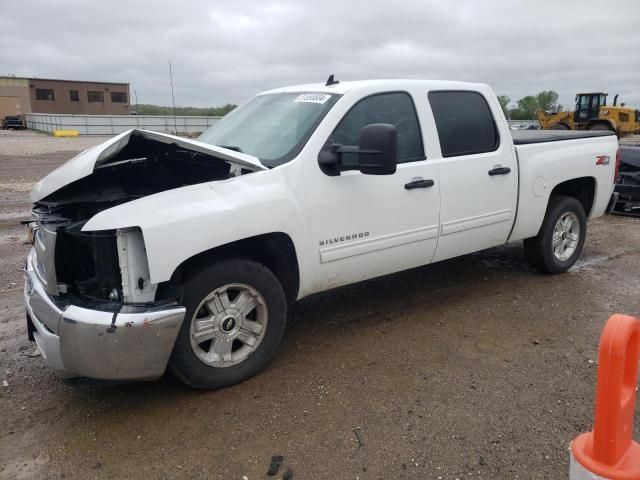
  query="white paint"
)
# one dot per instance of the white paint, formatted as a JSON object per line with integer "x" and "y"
{"x": 134, "y": 266}
{"x": 558, "y": 162}
{"x": 359, "y": 247}
{"x": 469, "y": 208}
{"x": 540, "y": 187}
{"x": 481, "y": 220}
{"x": 477, "y": 207}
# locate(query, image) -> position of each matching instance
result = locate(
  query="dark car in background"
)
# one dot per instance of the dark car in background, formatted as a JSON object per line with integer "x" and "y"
{"x": 13, "y": 122}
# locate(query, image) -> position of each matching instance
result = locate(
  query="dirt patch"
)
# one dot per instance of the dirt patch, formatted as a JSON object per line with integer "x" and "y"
{"x": 473, "y": 367}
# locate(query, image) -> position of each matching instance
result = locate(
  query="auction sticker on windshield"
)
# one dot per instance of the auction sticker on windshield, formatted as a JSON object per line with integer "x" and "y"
{"x": 312, "y": 98}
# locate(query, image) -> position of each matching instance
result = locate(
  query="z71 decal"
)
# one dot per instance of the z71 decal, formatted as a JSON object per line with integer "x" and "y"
{"x": 603, "y": 160}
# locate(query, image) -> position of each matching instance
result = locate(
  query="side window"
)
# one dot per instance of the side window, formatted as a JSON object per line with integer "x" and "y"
{"x": 394, "y": 108}
{"x": 464, "y": 122}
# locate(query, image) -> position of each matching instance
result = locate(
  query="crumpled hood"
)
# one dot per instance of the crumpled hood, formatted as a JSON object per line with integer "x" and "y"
{"x": 83, "y": 164}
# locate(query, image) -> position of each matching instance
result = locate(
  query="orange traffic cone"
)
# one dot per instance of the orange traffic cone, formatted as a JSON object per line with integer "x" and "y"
{"x": 608, "y": 452}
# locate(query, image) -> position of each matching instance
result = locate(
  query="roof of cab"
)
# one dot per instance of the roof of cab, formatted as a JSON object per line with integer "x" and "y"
{"x": 344, "y": 87}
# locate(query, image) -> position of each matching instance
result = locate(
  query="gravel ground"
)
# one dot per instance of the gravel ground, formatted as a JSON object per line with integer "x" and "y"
{"x": 23, "y": 143}
{"x": 477, "y": 367}
{"x": 42, "y": 153}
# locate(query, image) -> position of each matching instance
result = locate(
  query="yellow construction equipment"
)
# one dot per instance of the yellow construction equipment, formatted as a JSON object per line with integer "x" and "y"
{"x": 593, "y": 113}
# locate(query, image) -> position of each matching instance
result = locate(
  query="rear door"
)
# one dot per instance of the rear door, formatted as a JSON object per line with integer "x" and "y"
{"x": 478, "y": 174}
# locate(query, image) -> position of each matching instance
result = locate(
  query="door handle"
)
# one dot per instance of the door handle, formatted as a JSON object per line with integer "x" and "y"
{"x": 499, "y": 171}
{"x": 419, "y": 184}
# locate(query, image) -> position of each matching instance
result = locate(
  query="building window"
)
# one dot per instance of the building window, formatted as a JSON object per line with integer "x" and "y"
{"x": 74, "y": 96}
{"x": 95, "y": 96}
{"x": 118, "y": 97}
{"x": 44, "y": 94}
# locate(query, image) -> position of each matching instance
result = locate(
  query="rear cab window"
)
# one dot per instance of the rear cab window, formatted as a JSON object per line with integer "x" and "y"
{"x": 464, "y": 123}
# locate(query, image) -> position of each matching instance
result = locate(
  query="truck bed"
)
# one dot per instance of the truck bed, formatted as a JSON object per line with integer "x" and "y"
{"x": 545, "y": 161}
{"x": 524, "y": 137}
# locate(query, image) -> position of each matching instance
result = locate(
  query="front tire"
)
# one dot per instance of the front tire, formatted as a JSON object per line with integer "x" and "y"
{"x": 236, "y": 313}
{"x": 561, "y": 237}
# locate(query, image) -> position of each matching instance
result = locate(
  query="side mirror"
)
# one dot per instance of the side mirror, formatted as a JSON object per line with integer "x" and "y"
{"x": 377, "y": 153}
{"x": 378, "y": 149}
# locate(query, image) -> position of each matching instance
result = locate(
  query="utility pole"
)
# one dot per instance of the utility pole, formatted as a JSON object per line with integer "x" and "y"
{"x": 173, "y": 100}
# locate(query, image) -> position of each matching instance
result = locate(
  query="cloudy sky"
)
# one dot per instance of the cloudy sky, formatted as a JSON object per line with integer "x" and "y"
{"x": 225, "y": 51}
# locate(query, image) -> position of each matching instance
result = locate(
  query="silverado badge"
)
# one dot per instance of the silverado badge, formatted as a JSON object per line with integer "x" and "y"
{"x": 344, "y": 238}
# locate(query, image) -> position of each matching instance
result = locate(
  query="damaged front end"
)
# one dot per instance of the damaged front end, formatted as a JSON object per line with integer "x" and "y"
{"x": 72, "y": 263}
{"x": 90, "y": 303}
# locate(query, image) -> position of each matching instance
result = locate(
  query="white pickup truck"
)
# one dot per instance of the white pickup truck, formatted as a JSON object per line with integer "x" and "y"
{"x": 154, "y": 251}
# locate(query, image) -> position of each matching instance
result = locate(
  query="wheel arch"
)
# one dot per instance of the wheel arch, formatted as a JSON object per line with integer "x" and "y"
{"x": 550, "y": 252}
{"x": 582, "y": 189}
{"x": 274, "y": 250}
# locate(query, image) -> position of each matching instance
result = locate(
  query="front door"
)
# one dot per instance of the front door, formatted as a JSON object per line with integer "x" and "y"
{"x": 363, "y": 226}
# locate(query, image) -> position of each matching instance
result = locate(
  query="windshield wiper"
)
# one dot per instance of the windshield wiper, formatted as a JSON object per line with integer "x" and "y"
{"x": 231, "y": 147}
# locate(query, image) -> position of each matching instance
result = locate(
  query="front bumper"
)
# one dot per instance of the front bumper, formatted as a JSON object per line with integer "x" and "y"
{"x": 74, "y": 340}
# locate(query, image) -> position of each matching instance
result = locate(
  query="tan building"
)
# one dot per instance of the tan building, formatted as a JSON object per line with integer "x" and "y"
{"x": 41, "y": 95}
{"x": 14, "y": 96}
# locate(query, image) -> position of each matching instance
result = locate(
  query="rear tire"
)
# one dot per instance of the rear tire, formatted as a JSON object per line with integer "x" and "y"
{"x": 561, "y": 237}
{"x": 558, "y": 126}
{"x": 235, "y": 319}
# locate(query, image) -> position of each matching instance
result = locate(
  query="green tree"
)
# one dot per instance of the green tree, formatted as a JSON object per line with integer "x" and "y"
{"x": 527, "y": 108}
{"x": 147, "y": 109}
{"x": 504, "y": 103}
{"x": 548, "y": 101}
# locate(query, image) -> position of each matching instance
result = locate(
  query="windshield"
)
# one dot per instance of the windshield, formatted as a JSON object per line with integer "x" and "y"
{"x": 273, "y": 127}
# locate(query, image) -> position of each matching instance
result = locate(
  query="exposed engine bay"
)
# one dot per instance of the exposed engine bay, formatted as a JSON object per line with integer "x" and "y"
{"x": 110, "y": 266}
